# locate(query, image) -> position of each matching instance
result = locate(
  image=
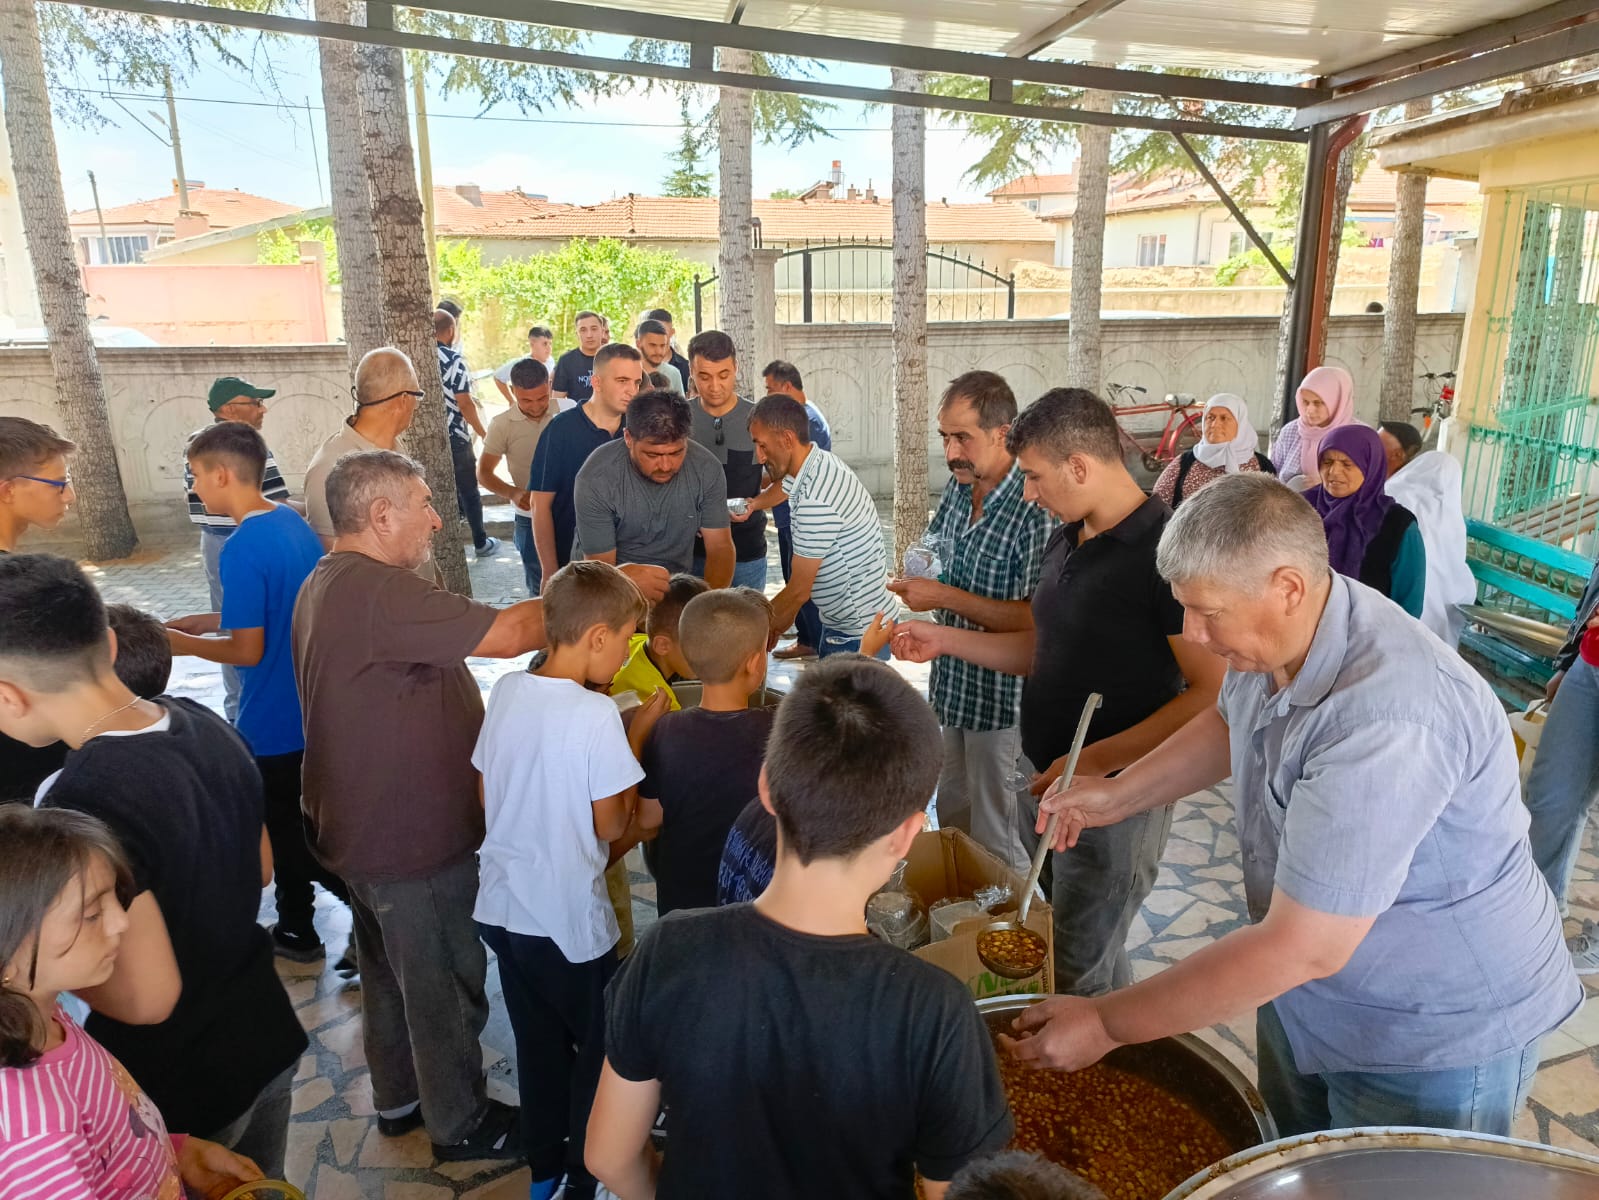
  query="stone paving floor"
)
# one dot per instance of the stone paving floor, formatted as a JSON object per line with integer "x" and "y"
{"x": 335, "y": 1152}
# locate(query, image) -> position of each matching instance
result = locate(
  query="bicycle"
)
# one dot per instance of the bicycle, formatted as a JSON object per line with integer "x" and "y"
{"x": 1184, "y": 428}
{"x": 1441, "y": 408}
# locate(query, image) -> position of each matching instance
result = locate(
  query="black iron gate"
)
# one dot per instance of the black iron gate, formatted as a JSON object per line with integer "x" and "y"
{"x": 851, "y": 281}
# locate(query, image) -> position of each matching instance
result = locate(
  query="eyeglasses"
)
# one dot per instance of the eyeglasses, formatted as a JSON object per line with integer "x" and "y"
{"x": 246, "y": 401}
{"x": 359, "y": 403}
{"x": 59, "y": 484}
{"x": 716, "y": 424}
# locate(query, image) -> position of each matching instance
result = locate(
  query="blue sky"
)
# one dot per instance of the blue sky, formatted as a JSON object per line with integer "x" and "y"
{"x": 237, "y": 134}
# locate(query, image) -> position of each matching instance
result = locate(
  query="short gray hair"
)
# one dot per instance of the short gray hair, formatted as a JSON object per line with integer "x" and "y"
{"x": 1238, "y": 530}
{"x": 359, "y": 479}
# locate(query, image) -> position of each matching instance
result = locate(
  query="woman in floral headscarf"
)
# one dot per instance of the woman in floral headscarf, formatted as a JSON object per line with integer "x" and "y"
{"x": 1326, "y": 401}
{"x": 1370, "y": 536}
{"x": 1230, "y": 445}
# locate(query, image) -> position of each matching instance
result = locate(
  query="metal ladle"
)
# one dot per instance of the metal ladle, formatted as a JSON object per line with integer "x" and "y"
{"x": 1013, "y": 969}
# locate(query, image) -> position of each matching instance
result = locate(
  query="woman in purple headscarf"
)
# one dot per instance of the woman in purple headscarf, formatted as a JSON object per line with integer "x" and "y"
{"x": 1370, "y": 536}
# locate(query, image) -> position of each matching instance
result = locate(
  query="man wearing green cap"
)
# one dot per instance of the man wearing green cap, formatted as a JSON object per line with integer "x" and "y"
{"x": 230, "y": 399}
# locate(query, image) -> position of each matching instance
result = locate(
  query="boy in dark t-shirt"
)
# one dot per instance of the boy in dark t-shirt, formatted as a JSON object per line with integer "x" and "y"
{"x": 823, "y": 1062}
{"x": 701, "y": 765}
{"x": 177, "y": 787}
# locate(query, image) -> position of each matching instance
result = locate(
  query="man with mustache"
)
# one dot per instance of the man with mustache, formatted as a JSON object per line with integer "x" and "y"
{"x": 996, "y": 551}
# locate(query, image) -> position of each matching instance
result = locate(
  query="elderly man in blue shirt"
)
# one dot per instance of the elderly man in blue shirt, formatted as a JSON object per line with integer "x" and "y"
{"x": 1405, "y": 955}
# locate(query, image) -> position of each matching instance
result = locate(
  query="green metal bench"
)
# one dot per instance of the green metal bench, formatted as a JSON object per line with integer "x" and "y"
{"x": 1519, "y": 575}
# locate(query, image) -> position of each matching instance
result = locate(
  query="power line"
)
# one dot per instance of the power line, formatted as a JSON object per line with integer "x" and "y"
{"x": 445, "y": 116}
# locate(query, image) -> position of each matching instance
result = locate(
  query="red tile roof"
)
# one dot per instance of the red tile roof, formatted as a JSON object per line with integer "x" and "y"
{"x": 1373, "y": 191}
{"x": 662, "y": 218}
{"x": 1038, "y": 185}
{"x": 223, "y": 209}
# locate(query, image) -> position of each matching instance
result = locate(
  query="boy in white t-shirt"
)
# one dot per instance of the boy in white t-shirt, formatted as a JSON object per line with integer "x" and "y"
{"x": 560, "y": 782}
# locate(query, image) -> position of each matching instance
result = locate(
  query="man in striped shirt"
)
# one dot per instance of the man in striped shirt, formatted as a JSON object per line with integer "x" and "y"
{"x": 230, "y": 399}
{"x": 461, "y": 422}
{"x": 839, "y": 560}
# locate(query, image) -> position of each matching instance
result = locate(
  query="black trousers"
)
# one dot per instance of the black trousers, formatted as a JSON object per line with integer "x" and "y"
{"x": 557, "y": 1012}
{"x": 808, "y": 621}
{"x": 466, "y": 491}
{"x": 294, "y": 869}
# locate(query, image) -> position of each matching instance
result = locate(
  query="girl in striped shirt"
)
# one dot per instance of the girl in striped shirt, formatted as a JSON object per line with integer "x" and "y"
{"x": 73, "y": 1124}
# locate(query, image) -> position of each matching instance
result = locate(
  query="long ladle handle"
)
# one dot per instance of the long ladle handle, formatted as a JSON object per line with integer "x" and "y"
{"x": 1083, "y": 722}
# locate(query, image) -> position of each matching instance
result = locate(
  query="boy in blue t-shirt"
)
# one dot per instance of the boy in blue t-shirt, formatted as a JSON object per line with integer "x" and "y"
{"x": 262, "y": 566}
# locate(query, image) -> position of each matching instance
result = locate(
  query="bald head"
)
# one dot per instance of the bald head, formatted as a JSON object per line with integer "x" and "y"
{"x": 443, "y": 326}
{"x": 381, "y": 373}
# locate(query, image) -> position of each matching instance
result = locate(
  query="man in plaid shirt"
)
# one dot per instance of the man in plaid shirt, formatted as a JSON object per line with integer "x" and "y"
{"x": 992, "y": 547}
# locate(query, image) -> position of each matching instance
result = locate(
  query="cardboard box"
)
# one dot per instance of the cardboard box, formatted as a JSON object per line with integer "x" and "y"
{"x": 947, "y": 864}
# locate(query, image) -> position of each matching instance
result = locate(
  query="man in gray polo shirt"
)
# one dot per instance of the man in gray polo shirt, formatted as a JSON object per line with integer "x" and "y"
{"x": 642, "y": 500}
{"x": 1406, "y": 956}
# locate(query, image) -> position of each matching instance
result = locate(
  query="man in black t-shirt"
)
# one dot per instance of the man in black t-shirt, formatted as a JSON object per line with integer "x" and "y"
{"x": 822, "y": 1062}
{"x": 1103, "y": 621}
{"x": 574, "y": 370}
{"x": 180, "y": 791}
{"x": 722, "y": 426}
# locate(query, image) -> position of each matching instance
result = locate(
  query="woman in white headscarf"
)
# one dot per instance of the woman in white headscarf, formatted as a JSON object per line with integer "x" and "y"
{"x": 1230, "y": 446}
{"x": 1430, "y": 484}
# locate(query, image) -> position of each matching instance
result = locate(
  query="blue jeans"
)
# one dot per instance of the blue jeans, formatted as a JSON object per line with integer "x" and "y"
{"x": 834, "y": 642}
{"x": 1565, "y": 777}
{"x": 807, "y": 622}
{"x": 1483, "y": 1098}
{"x": 532, "y": 573}
{"x": 750, "y": 574}
{"x": 211, "y": 555}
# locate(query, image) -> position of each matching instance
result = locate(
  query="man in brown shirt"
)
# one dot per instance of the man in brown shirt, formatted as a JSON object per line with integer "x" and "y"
{"x": 391, "y": 717}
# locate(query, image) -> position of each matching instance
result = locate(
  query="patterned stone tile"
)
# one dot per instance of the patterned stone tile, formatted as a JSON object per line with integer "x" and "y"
{"x": 334, "y": 1145}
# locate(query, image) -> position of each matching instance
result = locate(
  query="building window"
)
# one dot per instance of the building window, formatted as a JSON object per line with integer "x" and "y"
{"x": 1235, "y": 245}
{"x": 117, "y": 250}
{"x": 1032, "y": 205}
{"x": 1152, "y": 250}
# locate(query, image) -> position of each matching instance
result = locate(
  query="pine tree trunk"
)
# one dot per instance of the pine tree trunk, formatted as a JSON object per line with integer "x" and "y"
{"x": 910, "y": 315}
{"x": 735, "y": 264}
{"x": 80, "y": 391}
{"x": 361, "y": 286}
{"x": 407, "y": 303}
{"x": 1404, "y": 281}
{"x": 1088, "y": 247}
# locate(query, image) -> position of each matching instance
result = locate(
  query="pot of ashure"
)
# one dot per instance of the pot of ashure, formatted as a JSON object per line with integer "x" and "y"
{"x": 1139, "y": 1122}
{"x": 1392, "y": 1163}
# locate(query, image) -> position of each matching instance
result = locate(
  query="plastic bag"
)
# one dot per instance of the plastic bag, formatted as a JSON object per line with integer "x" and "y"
{"x": 945, "y": 914}
{"x": 923, "y": 561}
{"x": 896, "y": 913}
{"x": 1527, "y": 728}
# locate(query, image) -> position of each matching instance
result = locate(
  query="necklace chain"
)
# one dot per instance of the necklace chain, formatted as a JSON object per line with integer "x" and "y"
{"x": 88, "y": 729}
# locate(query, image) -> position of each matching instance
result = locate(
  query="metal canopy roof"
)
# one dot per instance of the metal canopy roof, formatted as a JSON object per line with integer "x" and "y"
{"x": 1331, "y": 61}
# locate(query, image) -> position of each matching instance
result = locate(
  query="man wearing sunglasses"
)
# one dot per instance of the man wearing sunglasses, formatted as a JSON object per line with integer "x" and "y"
{"x": 722, "y": 426}
{"x": 230, "y": 399}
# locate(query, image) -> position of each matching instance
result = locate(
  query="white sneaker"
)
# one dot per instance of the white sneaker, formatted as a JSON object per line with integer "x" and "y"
{"x": 1584, "y": 949}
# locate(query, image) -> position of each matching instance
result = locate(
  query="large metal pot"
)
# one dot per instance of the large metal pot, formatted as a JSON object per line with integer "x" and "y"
{"x": 689, "y": 691}
{"x": 1183, "y": 1066}
{"x": 1384, "y": 1163}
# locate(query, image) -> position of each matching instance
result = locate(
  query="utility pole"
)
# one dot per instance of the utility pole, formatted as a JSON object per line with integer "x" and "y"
{"x": 99, "y": 216}
{"x": 177, "y": 146}
{"x": 424, "y": 158}
{"x": 316, "y": 155}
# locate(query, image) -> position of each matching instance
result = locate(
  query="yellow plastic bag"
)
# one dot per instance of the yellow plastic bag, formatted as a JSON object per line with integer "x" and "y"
{"x": 1527, "y": 728}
